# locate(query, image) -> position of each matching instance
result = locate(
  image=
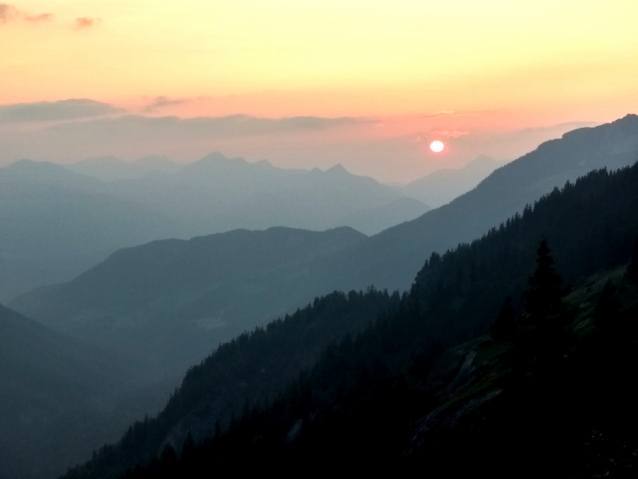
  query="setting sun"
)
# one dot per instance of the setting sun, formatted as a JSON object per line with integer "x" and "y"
{"x": 437, "y": 146}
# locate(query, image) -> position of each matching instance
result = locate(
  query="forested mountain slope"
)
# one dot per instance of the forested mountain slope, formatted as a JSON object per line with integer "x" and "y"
{"x": 392, "y": 258}
{"x": 170, "y": 302}
{"x": 361, "y": 401}
{"x": 553, "y": 395}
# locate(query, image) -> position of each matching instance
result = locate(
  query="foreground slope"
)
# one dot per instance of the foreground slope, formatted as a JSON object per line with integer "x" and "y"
{"x": 557, "y": 399}
{"x": 170, "y": 302}
{"x": 361, "y": 401}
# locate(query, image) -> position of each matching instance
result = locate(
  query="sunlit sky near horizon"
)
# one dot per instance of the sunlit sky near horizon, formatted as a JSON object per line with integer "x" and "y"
{"x": 381, "y": 78}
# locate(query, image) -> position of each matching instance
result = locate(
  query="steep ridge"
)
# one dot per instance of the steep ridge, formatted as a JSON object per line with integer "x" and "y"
{"x": 359, "y": 404}
{"x": 392, "y": 258}
{"x": 170, "y": 302}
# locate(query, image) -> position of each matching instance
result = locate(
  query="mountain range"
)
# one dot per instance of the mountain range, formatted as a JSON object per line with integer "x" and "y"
{"x": 334, "y": 378}
{"x": 173, "y": 301}
{"x": 423, "y": 381}
{"x": 59, "y": 222}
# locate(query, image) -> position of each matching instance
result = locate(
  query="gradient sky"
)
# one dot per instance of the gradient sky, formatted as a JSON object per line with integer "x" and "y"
{"x": 486, "y": 76}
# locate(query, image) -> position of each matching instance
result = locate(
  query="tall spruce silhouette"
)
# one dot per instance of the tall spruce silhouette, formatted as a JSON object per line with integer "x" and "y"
{"x": 544, "y": 296}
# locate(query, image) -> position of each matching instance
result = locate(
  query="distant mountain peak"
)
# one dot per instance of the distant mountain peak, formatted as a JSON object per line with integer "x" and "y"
{"x": 215, "y": 156}
{"x": 26, "y": 163}
{"x": 337, "y": 169}
{"x": 219, "y": 159}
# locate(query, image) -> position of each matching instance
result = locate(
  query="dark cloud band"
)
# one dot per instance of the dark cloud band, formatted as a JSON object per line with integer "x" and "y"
{"x": 55, "y": 111}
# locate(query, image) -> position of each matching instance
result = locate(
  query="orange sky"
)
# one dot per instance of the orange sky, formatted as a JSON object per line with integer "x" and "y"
{"x": 484, "y": 67}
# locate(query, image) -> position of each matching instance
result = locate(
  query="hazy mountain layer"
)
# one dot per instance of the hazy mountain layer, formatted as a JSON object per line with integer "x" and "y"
{"x": 59, "y": 399}
{"x": 163, "y": 310}
{"x": 169, "y": 303}
{"x": 56, "y": 224}
{"x": 110, "y": 168}
{"x": 442, "y": 186}
{"x": 217, "y": 194}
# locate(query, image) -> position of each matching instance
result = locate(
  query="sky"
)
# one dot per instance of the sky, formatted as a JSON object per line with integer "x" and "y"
{"x": 368, "y": 84}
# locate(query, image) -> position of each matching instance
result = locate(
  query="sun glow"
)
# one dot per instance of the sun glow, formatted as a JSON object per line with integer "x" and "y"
{"x": 437, "y": 146}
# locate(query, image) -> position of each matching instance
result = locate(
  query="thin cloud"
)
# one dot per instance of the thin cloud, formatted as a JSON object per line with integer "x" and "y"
{"x": 55, "y": 111}
{"x": 451, "y": 133}
{"x": 137, "y": 126}
{"x": 162, "y": 102}
{"x": 83, "y": 23}
{"x": 9, "y": 13}
{"x": 42, "y": 17}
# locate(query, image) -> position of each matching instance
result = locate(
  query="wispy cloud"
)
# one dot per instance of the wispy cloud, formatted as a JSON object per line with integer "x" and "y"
{"x": 450, "y": 133}
{"x": 10, "y": 12}
{"x": 137, "y": 126}
{"x": 160, "y": 102}
{"x": 83, "y": 23}
{"x": 55, "y": 111}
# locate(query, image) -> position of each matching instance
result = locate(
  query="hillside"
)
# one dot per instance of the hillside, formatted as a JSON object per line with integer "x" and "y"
{"x": 170, "y": 302}
{"x": 59, "y": 399}
{"x": 361, "y": 402}
{"x": 500, "y": 408}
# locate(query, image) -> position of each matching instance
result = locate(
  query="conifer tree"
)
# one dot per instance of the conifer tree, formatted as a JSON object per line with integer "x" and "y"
{"x": 544, "y": 296}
